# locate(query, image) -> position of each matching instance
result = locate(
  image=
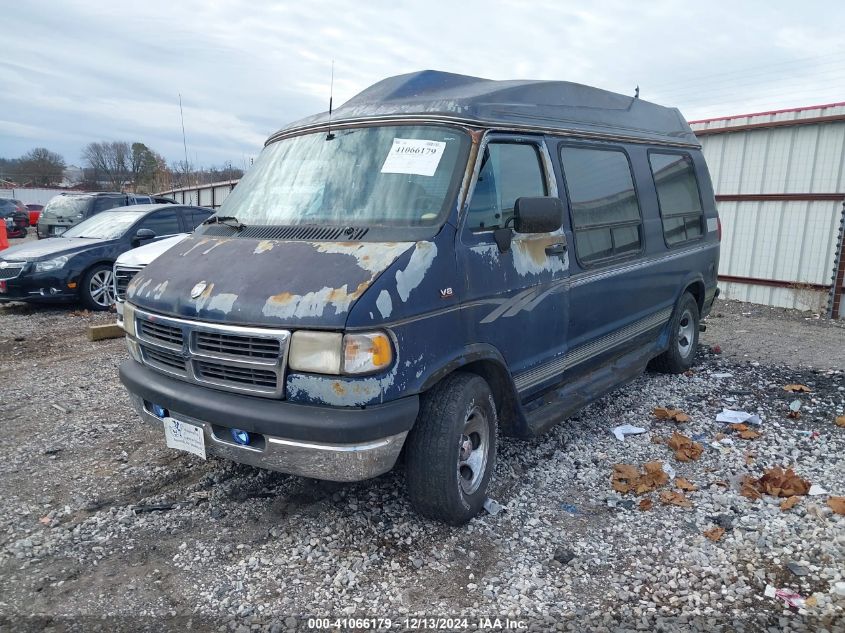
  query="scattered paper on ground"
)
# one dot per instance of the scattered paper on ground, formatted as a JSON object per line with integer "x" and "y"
{"x": 627, "y": 478}
{"x": 685, "y": 449}
{"x": 797, "y": 389}
{"x": 738, "y": 417}
{"x": 666, "y": 413}
{"x": 714, "y": 533}
{"x": 626, "y": 429}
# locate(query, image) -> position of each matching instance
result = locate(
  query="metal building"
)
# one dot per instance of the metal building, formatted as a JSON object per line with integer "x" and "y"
{"x": 779, "y": 179}
{"x": 211, "y": 195}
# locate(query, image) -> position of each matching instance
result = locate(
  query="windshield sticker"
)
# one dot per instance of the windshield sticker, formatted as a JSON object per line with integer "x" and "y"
{"x": 413, "y": 156}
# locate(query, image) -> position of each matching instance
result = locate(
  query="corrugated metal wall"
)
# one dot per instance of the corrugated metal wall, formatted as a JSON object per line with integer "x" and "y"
{"x": 33, "y": 196}
{"x": 779, "y": 179}
{"x": 211, "y": 195}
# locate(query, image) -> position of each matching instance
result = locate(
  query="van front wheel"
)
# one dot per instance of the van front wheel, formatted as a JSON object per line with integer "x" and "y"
{"x": 451, "y": 449}
{"x": 683, "y": 338}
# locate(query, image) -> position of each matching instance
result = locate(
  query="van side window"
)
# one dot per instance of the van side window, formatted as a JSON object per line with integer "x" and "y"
{"x": 605, "y": 211}
{"x": 508, "y": 171}
{"x": 677, "y": 194}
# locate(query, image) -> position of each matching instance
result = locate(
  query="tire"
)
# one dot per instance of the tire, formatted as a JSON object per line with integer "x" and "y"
{"x": 92, "y": 281}
{"x": 683, "y": 338}
{"x": 451, "y": 450}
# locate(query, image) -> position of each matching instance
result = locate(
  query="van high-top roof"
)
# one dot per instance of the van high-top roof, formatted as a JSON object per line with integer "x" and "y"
{"x": 528, "y": 105}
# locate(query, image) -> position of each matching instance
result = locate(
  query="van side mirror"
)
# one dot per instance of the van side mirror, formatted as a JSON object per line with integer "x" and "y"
{"x": 143, "y": 235}
{"x": 537, "y": 215}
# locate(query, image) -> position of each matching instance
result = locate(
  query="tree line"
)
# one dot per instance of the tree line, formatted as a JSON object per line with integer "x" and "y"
{"x": 115, "y": 165}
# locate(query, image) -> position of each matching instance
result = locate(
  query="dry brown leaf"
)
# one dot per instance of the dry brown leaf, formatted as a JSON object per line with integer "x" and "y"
{"x": 782, "y": 483}
{"x": 794, "y": 415}
{"x": 685, "y": 449}
{"x": 789, "y": 503}
{"x": 739, "y": 427}
{"x": 749, "y": 458}
{"x": 797, "y": 389}
{"x": 714, "y": 533}
{"x": 672, "y": 497}
{"x": 811, "y": 601}
{"x": 748, "y": 488}
{"x": 685, "y": 484}
{"x": 667, "y": 413}
{"x": 840, "y": 421}
{"x": 748, "y": 435}
{"x": 627, "y": 478}
{"x": 719, "y": 436}
{"x": 646, "y": 504}
{"x": 722, "y": 483}
{"x": 837, "y": 504}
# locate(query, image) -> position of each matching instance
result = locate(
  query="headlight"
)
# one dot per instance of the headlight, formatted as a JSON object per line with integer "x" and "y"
{"x": 334, "y": 353}
{"x": 366, "y": 353}
{"x": 129, "y": 319}
{"x": 51, "y": 264}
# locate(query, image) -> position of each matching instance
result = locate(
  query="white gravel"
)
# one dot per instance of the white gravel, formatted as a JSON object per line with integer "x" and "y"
{"x": 244, "y": 549}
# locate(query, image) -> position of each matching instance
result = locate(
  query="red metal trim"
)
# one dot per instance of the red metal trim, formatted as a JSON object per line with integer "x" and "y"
{"x": 779, "y": 197}
{"x": 777, "y": 283}
{"x": 770, "y": 124}
{"x": 770, "y": 112}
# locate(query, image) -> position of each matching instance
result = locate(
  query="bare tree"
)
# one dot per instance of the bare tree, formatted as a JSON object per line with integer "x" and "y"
{"x": 42, "y": 167}
{"x": 111, "y": 161}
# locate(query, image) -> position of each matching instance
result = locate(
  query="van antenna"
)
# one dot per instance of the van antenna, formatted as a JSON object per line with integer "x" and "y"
{"x": 329, "y": 135}
{"x": 637, "y": 92}
{"x": 184, "y": 142}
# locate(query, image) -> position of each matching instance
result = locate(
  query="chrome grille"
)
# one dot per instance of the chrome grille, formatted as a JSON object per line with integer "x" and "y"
{"x": 218, "y": 372}
{"x": 11, "y": 269}
{"x": 233, "y": 358}
{"x": 122, "y": 276}
{"x": 233, "y": 345}
{"x": 161, "y": 332}
{"x": 163, "y": 359}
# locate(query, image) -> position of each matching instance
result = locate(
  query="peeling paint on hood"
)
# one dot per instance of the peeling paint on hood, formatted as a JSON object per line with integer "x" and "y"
{"x": 414, "y": 272}
{"x": 265, "y": 282}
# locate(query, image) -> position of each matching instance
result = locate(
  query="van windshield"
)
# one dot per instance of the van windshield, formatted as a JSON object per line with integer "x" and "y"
{"x": 382, "y": 176}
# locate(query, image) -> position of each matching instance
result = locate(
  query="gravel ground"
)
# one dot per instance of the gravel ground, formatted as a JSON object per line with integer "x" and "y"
{"x": 236, "y": 548}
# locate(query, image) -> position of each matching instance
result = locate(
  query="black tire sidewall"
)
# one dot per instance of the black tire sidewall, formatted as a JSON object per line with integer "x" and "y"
{"x": 681, "y": 363}
{"x": 433, "y": 444}
{"x": 85, "y": 289}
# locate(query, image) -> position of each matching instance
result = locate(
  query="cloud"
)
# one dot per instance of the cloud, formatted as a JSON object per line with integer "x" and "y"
{"x": 82, "y": 70}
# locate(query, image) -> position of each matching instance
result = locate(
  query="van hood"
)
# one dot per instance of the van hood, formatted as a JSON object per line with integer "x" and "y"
{"x": 262, "y": 282}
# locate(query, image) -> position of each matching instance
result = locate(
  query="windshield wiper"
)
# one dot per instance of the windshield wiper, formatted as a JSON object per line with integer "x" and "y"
{"x": 228, "y": 220}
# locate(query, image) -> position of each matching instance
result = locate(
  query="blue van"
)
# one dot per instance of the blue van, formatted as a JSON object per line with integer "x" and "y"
{"x": 442, "y": 259}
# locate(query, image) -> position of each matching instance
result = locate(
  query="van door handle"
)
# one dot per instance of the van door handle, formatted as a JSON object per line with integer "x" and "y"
{"x": 558, "y": 249}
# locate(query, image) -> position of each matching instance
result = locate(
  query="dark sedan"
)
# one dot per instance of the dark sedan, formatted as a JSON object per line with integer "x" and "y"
{"x": 78, "y": 265}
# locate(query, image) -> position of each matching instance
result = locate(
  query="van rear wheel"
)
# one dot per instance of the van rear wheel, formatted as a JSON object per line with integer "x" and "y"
{"x": 451, "y": 449}
{"x": 683, "y": 338}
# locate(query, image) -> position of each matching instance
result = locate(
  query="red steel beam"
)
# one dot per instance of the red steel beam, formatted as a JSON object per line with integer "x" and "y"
{"x": 780, "y": 197}
{"x": 777, "y": 283}
{"x": 832, "y": 118}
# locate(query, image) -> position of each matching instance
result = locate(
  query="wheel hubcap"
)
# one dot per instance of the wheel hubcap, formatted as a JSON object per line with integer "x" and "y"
{"x": 101, "y": 289}
{"x": 472, "y": 451}
{"x": 686, "y": 333}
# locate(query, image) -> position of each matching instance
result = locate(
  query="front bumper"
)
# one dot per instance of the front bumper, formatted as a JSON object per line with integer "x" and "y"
{"x": 332, "y": 443}
{"x": 31, "y": 286}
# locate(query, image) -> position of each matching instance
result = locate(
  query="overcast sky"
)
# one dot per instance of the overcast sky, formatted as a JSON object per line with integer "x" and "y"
{"x": 72, "y": 72}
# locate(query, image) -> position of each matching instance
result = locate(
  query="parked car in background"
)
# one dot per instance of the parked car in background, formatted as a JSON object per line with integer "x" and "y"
{"x": 132, "y": 262}
{"x": 15, "y": 216}
{"x": 460, "y": 258}
{"x": 69, "y": 209}
{"x": 78, "y": 264}
{"x": 34, "y": 213}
